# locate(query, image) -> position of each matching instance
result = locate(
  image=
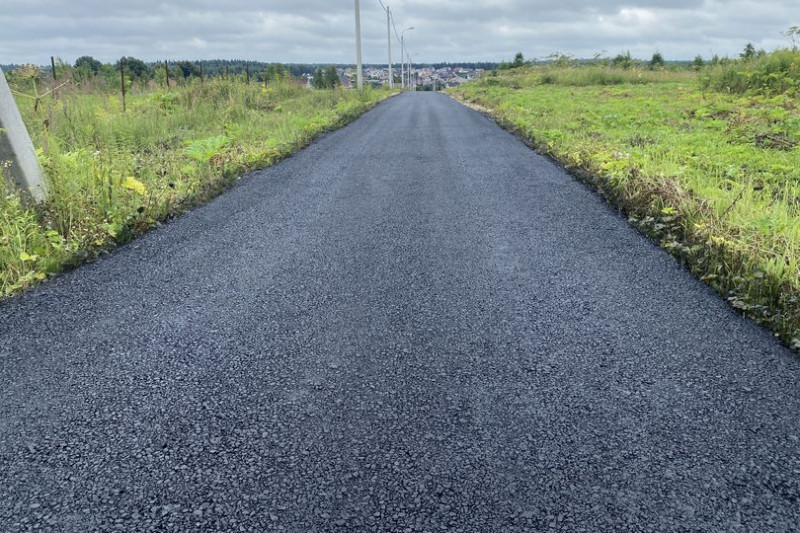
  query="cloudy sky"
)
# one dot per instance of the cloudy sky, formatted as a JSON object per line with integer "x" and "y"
{"x": 321, "y": 31}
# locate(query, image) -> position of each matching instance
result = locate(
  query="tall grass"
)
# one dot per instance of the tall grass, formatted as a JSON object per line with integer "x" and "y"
{"x": 585, "y": 75}
{"x": 113, "y": 174}
{"x": 774, "y": 73}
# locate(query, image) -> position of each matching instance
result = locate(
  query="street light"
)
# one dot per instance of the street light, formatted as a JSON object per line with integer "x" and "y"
{"x": 402, "y": 55}
{"x": 412, "y": 81}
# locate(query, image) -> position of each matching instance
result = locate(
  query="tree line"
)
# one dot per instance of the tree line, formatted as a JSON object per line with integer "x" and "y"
{"x": 624, "y": 60}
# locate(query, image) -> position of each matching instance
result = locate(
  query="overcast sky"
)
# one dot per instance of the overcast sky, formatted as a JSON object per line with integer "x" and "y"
{"x": 322, "y": 31}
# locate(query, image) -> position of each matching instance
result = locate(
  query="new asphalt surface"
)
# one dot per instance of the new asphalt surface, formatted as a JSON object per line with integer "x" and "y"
{"x": 415, "y": 324}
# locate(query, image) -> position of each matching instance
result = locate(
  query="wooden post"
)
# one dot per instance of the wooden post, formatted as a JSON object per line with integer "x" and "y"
{"x": 122, "y": 80}
{"x": 166, "y": 72}
{"x": 53, "y": 64}
{"x": 247, "y": 73}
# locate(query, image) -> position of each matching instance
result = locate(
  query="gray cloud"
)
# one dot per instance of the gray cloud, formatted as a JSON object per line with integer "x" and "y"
{"x": 445, "y": 30}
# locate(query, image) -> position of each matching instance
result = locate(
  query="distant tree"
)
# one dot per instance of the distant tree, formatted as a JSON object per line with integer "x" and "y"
{"x": 88, "y": 64}
{"x": 749, "y": 52}
{"x": 657, "y": 61}
{"x": 325, "y": 78}
{"x": 135, "y": 68}
{"x": 86, "y": 67}
{"x": 318, "y": 79}
{"x": 698, "y": 63}
{"x": 623, "y": 60}
{"x": 276, "y": 72}
{"x": 331, "y": 78}
{"x": 519, "y": 61}
{"x": 561, "y": 60}
{"x": 187, "y": 69}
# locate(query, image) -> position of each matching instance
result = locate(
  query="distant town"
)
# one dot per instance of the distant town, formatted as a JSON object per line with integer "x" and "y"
{"x": 424, "y": 77}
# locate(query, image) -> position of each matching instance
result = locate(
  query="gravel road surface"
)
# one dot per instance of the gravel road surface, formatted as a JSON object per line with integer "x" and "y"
{"x": 415, "y": 324}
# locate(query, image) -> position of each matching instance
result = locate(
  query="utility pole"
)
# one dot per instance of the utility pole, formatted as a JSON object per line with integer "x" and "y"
{"x": 409, "y": 72}
{"x": 389, "y": 42}
{"x": 16, "y": 147}
{"x": 402, "y": 63}
{"x": 359, "y": 72}
{"x": 402, "y": 56}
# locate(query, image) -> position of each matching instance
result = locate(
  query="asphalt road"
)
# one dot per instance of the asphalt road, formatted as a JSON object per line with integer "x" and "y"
{"x": 415, "y": 324}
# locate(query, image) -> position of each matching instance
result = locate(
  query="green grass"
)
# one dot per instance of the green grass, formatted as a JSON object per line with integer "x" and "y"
{"x": 714, "y": 177}
{"x": 771, "y": 74}
{"x": 114, "y": 174}
{"x": 583, "y": 76}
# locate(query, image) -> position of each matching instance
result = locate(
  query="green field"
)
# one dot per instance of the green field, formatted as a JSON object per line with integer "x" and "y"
{"x": 114, "y": 174}
{"x": 713, "y": 174}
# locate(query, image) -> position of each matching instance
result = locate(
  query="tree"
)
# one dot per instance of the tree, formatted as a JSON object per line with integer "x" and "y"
{"x": 623, "y": 60}
{"x": 519, "y": 61}
{"x": 88, "y": 64}
{"x": 657, "y": 61}
{"x": 326, "y": 78}
{"x": 698, "y": 63}
{"x": 86, "y": 67}
{"x": 135, "y": 68}
{"x": 318, "y": 79}
{"x": 276, "y": 72}
{"x": 749, "y": 52}
{"x": 187, "y": 69}
{"x": 331, "y": 78}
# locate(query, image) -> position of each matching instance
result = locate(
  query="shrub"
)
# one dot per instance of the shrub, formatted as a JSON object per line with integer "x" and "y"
{"x": 774, "y": 73}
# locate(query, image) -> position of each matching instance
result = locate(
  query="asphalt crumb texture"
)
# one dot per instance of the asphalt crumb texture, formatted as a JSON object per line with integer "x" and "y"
{"x": 416, "y": 324}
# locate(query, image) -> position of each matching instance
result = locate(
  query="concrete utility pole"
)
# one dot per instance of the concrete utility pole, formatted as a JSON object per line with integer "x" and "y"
{"x": 403, "y": 57}
{"x": 410, "y": 88}
{"x": 402, "y": 64}
{"x": 16, "y": 146}
{"x": 359, "y": 70}
{"x": 389, "y": 41}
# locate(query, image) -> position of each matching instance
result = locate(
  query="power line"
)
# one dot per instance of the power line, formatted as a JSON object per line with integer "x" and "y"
{"x": 395, "y": 28}
{"x": 391, "y": 17}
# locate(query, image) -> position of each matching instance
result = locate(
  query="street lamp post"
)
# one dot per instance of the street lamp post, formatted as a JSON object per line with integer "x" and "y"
{"x": 402, "y": 56}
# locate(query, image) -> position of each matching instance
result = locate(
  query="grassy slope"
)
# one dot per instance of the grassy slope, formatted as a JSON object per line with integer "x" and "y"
{"x": 714, "y": 178}
{"x": 115, "y": 174}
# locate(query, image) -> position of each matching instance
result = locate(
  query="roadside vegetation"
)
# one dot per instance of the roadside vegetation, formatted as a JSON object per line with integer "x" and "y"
{"x": 703, "y": 157}
{"x": 115, "y": 173}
